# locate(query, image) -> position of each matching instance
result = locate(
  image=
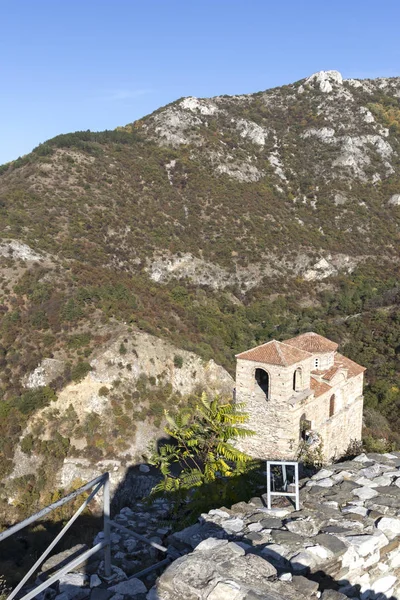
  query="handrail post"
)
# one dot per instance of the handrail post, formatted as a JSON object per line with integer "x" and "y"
{"x": 107, "y": 529}
{"x": 296, "y": 478}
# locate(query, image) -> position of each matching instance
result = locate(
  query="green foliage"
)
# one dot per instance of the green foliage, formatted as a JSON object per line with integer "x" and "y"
{"x": 32, "y": 400}
{"x": 80, "y": 370}
{"x": 178, "y": 361}
{"x": 79, "y": 340}
{"x": 27, "y": 444}
{"x": 57, "y": 447}
{"x": 202, "y": 465}
{"x": 104, "y": 391}
{"x": 311, "y": 455}
{"x": 388, "y": 113}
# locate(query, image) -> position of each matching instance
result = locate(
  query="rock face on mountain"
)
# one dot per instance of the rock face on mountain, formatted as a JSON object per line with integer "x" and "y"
{"x": 165, "y": 375}
{"x": 230, "y": 181}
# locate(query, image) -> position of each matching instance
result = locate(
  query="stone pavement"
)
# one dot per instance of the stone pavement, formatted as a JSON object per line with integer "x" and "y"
{"x": 344, "y": 542}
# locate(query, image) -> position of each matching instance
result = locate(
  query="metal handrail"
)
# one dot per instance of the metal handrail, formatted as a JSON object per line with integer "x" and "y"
{"x": 284, "y": 492}
{"x": 103, "y": 481}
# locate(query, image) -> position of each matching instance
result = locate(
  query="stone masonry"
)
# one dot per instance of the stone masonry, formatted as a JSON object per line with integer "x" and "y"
{"x": 344, "y": 542}
{"x": 299, "y": 391}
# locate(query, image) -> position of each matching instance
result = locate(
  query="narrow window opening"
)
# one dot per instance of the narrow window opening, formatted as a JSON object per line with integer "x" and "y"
{"x": 332, "y": 405}
{"x": 316, "y": 363}
{"x": 262, "y": 379}
{"x": 297, "y": 380}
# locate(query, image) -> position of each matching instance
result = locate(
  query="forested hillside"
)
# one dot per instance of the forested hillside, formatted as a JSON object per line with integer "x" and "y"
{"x": 215, "y": 224}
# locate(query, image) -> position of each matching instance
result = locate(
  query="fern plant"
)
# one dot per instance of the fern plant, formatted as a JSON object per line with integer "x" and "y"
{"x": 201, "y": 465}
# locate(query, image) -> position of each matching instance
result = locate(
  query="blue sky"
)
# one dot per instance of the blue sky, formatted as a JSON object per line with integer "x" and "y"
{"x": 68, "y": 65}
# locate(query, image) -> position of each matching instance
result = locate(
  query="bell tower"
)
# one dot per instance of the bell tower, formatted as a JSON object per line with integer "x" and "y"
{"x": 269, "y": 379}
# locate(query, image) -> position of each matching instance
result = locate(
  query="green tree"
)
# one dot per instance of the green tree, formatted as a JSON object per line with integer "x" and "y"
{"x": 202, "y": 467}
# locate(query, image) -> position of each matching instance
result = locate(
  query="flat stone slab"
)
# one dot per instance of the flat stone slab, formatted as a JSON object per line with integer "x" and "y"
{"x": 367, "y": 544}
{"x": 389, "y": 490}
{"x": 302, "y": 562}
{"x": 380, "y": 500}
{"x": 322, "y": 474}
{"x": 366, "y": 493}
{"x": 286, "y": 537}
{"x": 332, "y": 543}
{"x": 350, "y": 465}
{"x": 389, "y": 526}
{"x": 100, "y": 594}
{"x": 303, "y": 527}
{"x": 57, "y": 561}
{"x": 347, "y": 486}
{"x": 131, "y": 588}
{"x": 271, "y": 523}
{"x": 305, "y": 586}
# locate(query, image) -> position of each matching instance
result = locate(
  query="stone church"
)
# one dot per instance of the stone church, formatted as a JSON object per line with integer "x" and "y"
{"x": 299, "y": 390}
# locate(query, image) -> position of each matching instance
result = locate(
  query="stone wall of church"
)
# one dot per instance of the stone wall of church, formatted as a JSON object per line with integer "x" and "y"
{"x": 276, "y": 420}
{"x": 271, "y": 418}
{"x": 338, "y": 430}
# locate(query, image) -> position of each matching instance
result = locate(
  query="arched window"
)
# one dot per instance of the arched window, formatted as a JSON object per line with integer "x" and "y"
{"x": 298, "y": 379}
{"x": 332, "y": 405}
{"x": 305, "y": 427}
{"x": 262, "y": 379}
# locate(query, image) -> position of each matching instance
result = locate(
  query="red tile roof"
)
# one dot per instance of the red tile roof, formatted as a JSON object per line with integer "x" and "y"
{"x": 330, "y": 373}
{"x": 353, "y": 369}
{"x": 312, "y": 342}
{"x": 319, "y": 387}
{"x": 275, "y": 353}
{"x": 298, "y": 349}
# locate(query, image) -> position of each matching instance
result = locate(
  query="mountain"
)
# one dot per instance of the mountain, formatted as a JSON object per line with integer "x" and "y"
{"x": 310, "y": 168}
{"x": 213, "y": 224}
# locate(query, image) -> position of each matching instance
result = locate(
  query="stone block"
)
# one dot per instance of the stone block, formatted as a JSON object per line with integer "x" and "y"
{"x": 302, "y": 562}
{"x": 389, "y": 526}
{"x": 233, "y": 525}
{"x": 286, "y": 538}
{"x": 226, "y": 591}
{"x": 367, "y": 544}
{"x": 383, "y": 585}
{"x": 100, "y": 594}
{"x": 271, "y": 523}
{"x": 305, "y": 586}
{"x": 332, "y": 543}
{"x": 74, "y": 586}
{"x": 302, "y": 527}
{"x": 132, "y": 588}
{"x": 322, "y": 474}
{"x": 365, "y": 493}
{"x": 94, "y": 580}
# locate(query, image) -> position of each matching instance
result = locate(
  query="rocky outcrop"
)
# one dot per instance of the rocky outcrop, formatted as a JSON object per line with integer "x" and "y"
{"x": 16, "y": 249}
{"x": 119, "y": 366}
{"x": 169, "y": 267}
{"x": 394, "y": 200}
{"x": 344, "y": 542}
{"x": 45, "y": 373}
